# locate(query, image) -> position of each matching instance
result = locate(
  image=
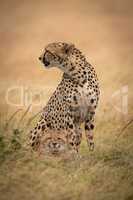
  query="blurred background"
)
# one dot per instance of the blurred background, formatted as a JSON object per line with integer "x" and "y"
{"x": 103, "y": 30}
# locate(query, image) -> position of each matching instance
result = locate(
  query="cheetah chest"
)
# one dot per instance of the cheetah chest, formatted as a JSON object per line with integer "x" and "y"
{"x": 83, "y": 98}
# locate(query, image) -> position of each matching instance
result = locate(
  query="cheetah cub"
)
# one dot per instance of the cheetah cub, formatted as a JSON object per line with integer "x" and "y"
{"x": 53, "y": 143}
{"x": 74, "y": 101}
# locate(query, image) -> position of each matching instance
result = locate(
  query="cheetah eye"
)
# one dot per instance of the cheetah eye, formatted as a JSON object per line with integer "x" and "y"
{"x": 49, "y": 55}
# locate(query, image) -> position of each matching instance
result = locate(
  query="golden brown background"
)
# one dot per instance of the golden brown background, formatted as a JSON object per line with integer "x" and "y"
{"x": 103, "y": 30}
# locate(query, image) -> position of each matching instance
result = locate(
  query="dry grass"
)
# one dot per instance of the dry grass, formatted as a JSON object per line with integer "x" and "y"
{"x": 103, "y": 30}
{"x": 106, "y": 173}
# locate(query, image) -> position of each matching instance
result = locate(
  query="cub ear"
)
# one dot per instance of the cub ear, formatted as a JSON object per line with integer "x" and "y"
{"x": 68, "y": 48}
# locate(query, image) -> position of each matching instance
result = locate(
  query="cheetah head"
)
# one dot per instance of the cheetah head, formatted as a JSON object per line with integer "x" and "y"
{"x": 56, "y": 55}
{"x": 53, "y": 145}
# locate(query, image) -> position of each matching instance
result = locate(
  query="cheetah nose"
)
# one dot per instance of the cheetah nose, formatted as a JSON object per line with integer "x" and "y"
{"x": 40, "y": 58}
{"x": 54, "y": 144}
{"x": 46, "y": 63}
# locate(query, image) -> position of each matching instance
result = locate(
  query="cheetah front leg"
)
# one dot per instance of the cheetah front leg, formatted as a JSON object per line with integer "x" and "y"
{"x": 74, "y": 136}
{"x": 74, "y": 141}
{"x": 89, "y": 126}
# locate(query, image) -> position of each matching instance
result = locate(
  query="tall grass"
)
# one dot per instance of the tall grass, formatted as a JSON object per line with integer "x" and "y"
{"x": 105, "y": 174}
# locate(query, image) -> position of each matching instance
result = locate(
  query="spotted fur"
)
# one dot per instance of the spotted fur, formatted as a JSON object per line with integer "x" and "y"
{"x": 74, "y": 100}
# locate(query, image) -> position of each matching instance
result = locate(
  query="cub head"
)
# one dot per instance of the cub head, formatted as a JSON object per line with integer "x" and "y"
{"x": 55, "y": 55}
{"x": 53, "y": 143}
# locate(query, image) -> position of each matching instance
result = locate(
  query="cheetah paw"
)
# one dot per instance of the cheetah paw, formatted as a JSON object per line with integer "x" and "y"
{"x": 91, "y": 146}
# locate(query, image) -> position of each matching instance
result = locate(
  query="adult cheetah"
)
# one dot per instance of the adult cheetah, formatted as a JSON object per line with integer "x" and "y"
{"x": 74, "y": 101}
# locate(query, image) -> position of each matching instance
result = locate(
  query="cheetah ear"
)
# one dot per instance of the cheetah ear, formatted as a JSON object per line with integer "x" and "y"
{"x": 68, "y": 48}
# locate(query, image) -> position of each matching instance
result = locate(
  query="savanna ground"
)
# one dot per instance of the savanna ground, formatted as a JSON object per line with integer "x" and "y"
{"x": 103, "y": 30}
